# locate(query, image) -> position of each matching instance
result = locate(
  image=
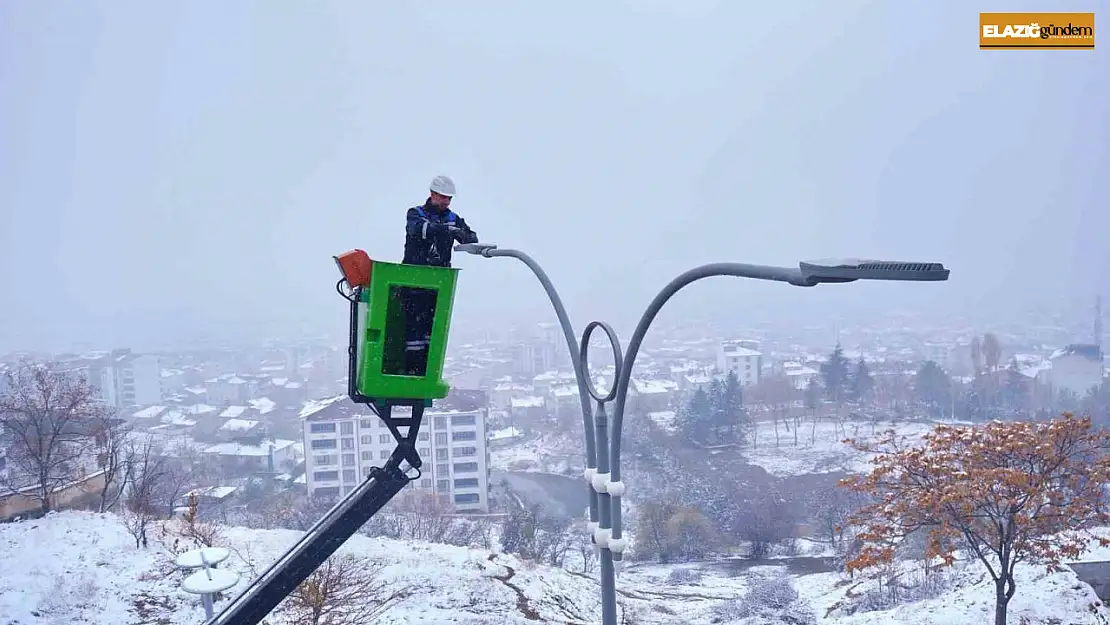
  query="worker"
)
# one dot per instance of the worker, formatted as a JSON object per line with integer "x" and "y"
{"x": 430, "y": 232}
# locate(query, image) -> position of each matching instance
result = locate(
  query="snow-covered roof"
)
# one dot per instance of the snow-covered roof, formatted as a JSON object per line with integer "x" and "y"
{"x": 236, "y": 425}
{"x": 800, "y": 371}
{"x": 239, "y": 449}
{"x": 263, "y": 405}
{"x": 315, "y": 409}
{"x": 652, "y": 387}
{"x": 504, "y": 433}
{"x": 565, "y": 391}
{"x": 215, "y": 492}
{"x": 527, "y": 402}
{"x": 663, "y": 418}
{"x": 150, "y": 412}
{"x": 232, "y": 412}
{"x": 177, "y": 417}
{"x": 1083, "y": 350}
{"x": 733, "y": 349}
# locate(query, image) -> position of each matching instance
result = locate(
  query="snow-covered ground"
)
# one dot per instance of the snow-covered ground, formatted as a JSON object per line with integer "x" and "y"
{"x": 550, "y": 452}
{"x": 75, "y": 567}
{"x": 821, "y": 449}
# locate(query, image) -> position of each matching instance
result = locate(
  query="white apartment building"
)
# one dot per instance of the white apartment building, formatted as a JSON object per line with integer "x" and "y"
{"x": 940, "y": 353}
{"x": 120, "y": 378}
{"x": 741, "y": 358}
{"x": 343, "y": 441}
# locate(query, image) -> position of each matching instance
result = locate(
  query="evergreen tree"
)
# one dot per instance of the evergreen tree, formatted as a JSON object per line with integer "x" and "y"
{"x": 862, "y": 382}
{"x": 933, "y": 387}
{"x": 717, "y": 416}
{"x": 835, "y": 374}
{"x": 1015, "y": 389}
{"x": 813, "y": 394}
{"x": 731, "y": 406}
{"x": 695, "y": 416}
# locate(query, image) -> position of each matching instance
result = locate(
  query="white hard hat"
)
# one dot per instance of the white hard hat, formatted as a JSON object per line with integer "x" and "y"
{"x": 443, "y": 186}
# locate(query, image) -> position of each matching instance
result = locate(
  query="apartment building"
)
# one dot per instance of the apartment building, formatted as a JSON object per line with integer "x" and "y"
{"x": 119, "y": 378}
{"x": 741, "y": 358}
{"x": 343, "y": 441}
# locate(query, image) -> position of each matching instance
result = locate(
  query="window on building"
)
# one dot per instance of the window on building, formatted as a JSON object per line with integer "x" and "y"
{"x": 366, "y": 424}
{"x": 441, "y": 438}
{"x": 366, "y": 439}
{"x": 322, "y": 428}
{"x": 348, "y": 459}
{"x": 466, "y": 467}
{"x": 441, "y": 454}
{"x": 367, "y": 456}
{"x": 465, "y": 435}
{"x": 347, "y": 428}
{"x": 467, "y": 498}
{"x": 349, "y": 475}
{"x": 383, "y": 454}
{"x": 347, "y": 490}
{"x": 326, "y": 492}
{"x": 348, "y": 443}
{"x": 423, "y": 436}
{"x": 441, "y": 423}
{"x": 426, "y": 482}
{"x": 324, "y": 460}
{"x": 325, "y": 476}
{"x": 385, "y": 438}
{"x": 442, "y": 470}
{"x": 423, "y": 451}
{"x": 443, "y": 486}
{"x": 324, "y": 443}
{"x": 466, "y": 482}
{"x": 462, "y": 420}
{"x": 461, "y": 452}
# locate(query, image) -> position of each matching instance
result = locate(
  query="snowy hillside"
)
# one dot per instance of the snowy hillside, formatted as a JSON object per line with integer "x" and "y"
{"x": 76, "y": 567}
{"x": 820, "y": 446}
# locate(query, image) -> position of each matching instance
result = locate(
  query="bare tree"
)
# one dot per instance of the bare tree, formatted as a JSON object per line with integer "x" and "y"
{"x": 45, "y": 416}
{"x": 766, "y": 520}
{"x": 146, "y": 471}
{"x": 194, "y": 532}
{"x": 111, "y": 437}
{"x": 345, "y": 590}
{"x": 176, "y": 479}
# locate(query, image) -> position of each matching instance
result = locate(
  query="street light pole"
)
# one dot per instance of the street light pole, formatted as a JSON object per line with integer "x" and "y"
{"x": 581, "y": 376}
{"x": 607, "y": 489}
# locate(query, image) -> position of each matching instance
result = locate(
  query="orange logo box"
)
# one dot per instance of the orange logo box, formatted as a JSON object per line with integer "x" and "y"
{"x": 1036, "y": 31}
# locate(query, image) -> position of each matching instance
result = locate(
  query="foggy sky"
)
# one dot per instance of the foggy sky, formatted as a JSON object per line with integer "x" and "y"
{"x": 169, "y": 170}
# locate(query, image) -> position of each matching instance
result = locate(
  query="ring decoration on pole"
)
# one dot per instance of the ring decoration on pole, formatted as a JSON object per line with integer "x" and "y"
{"x": 584, "y": 358}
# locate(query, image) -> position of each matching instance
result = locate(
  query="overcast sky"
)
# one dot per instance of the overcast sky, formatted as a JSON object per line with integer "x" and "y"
{"x": 174, "y": 169}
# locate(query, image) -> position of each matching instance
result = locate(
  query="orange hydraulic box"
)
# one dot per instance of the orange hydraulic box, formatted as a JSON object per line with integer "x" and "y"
{"x": 355, "y": 266}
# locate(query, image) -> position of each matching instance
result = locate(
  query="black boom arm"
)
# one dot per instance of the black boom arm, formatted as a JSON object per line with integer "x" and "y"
{"x": 318, "y": 544}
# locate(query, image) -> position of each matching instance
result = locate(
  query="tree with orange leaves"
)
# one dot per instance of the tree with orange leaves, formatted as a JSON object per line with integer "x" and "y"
{"x": 1005, "y": 493}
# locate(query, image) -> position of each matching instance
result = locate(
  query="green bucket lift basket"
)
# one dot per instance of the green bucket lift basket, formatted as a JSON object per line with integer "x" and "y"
{"x": 380, "y": 355}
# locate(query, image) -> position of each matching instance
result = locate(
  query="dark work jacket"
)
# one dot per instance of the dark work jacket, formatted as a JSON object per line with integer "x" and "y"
{"x": 427, "y": 239}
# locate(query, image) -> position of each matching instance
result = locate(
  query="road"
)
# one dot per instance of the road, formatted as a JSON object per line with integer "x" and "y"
{"x": 557, "y": 494}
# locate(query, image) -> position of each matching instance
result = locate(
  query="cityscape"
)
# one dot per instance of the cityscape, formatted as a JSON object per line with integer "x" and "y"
{"x": 280, "y": 414}
{"x": 576, "y": 313}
